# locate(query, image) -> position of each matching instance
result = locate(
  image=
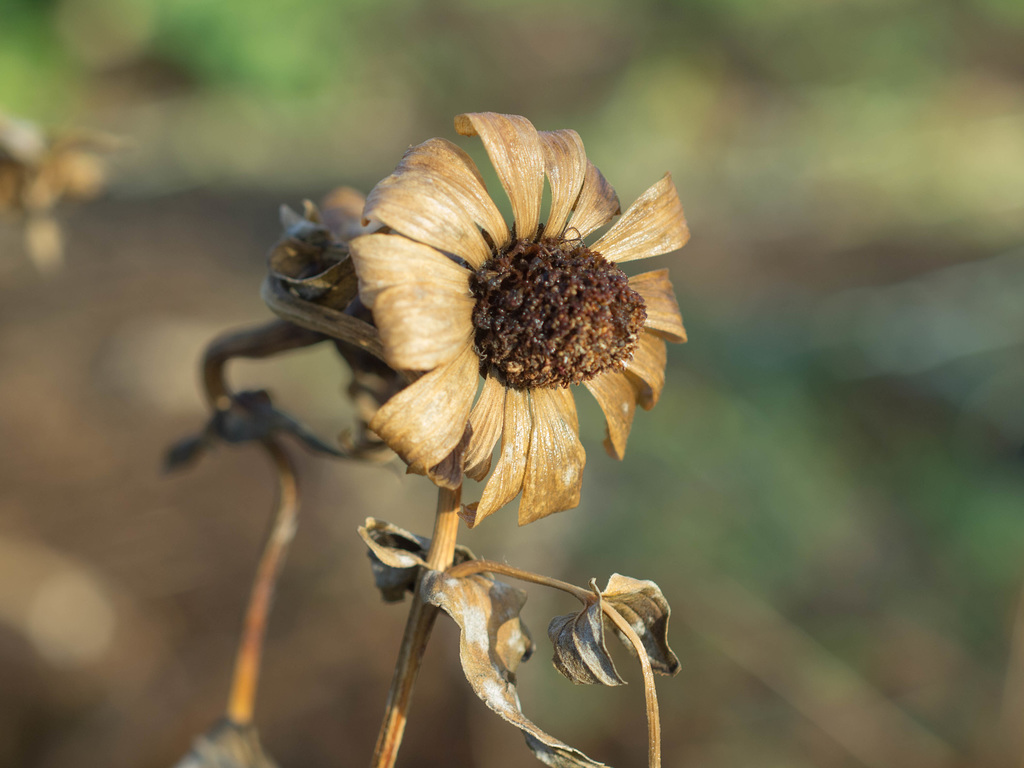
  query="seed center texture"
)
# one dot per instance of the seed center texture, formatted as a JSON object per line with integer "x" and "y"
{"x": 553, "y": 313}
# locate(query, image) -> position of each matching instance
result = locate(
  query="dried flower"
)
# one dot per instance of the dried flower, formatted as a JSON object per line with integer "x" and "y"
{"x": 457, "y": 294}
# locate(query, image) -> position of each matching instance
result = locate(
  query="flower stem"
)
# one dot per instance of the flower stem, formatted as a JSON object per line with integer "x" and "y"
{"x": 650, "y": 694}
{"x": 470, "y": 567}
{"x": 242, "y": 697}
{"x": 417, "y": 631}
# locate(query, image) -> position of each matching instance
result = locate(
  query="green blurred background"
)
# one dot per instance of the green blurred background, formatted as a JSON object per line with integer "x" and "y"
{"x": 830, "y": 493}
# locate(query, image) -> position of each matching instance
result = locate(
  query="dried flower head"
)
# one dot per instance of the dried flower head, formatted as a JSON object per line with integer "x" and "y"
{"x": 457, "y": 294}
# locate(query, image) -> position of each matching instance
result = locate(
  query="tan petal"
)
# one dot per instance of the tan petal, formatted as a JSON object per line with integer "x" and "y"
{"x": 554, "y": 469}
{"x": 507, "y": 479}
{"x": 565, "y": 163}
{"x": 617, "y": 398}
{"x": 663, "y": 314}
{"x": 597, "y": 205}
{"x": 653, "y": 225}
{"x": 384, "y": 261}
{"x": 426, "y": 420}
{"x": 512, "y": 144}
{"x": 453, "y": 169}
{"x": 343, "y": 212}
{"x": 419, "y": 201}
{"x": 486, "y": 419}
{"x": 422, "y": 325}
{"x": 646, "y": 370}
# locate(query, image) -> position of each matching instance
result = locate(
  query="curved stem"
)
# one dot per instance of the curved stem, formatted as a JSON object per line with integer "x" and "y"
{"x": 259, "y": 342}
{"x": 245, "y": 680}
{"x": 470, "y": 567}
{"x": 650, "y": 694}
{"x": 417, "y": 632}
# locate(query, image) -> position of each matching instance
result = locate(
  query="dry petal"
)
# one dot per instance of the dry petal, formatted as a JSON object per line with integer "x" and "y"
{"x": 646, "y": 370}
{"x": 514, "y": 148}
{"x": 597, "y": 205}
{"x": 427, "y": 419}
{"x": 644, "y": 607}
{"x": 554, "y": 469}
{"x": 663, "y": 315}
{"x": 617, "y": 399}
{"x": 580, "y": 652}
{"x": 492, "y": 644}
{"x": 452, "y": 169}
{"x": 565, "y": 163}
{"x": 486, "y": 419}
{"x": 653, "y": 225}
{"x": 343, "y": 213}
{"x": 422, "y": 325}
{"x": 383, "y": 261}
{"x": 419, "y": 204}
{"x": 507, "y": 480}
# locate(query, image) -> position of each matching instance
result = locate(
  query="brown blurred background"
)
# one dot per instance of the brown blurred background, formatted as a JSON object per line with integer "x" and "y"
{"x": 830, "y": 493}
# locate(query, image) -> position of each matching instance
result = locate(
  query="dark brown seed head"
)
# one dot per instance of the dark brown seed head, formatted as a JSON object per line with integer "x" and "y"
{"x": 553, "y": 313}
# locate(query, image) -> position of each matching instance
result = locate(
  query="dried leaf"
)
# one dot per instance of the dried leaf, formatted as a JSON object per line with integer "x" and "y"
{"x": 227, "y": 745}
{"x": 311, "y": 262}
{"x": 251, "y": 416}
{"x": 580, "y": 652}
{"x": 642, "y": 604}
{"x": 396, "y": 556}
{"x": 493, "y": 643}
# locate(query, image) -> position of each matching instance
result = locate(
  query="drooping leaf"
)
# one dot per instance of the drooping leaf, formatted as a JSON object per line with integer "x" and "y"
{"x": 580, "y": 652}
{"x": 396, "y": 557}
{"x": 251, "y": 416}
{"x": 227, "y": 745}
{"x": 311, "y": 262}
{"x": 493, "y": 643}
{"x": 644, "y": 607}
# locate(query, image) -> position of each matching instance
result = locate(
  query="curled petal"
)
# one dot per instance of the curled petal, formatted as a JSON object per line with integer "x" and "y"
{"x": 565, "y": 163}
{"x": 514, "y": 147}
{"x": 597, "y": 205}
{"x": 486, "y": 419}
{"x": 554, "y": 469}
{"x": 617, "y": 398}
{"x": 427, "y": 419}
{"x": 507, "y": 479}
{"x": 646, "y": 370}
{"x": 422, "y": 325}
{"x": 384, "y": 261}
{"x": 663, "y": 315}
{"x": 451, "y": 167}
{"x": 419, "y": 201}
{"x": 653, "y": 225}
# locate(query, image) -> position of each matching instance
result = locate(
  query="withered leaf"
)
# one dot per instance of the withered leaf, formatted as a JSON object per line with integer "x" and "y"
{"x": 227, "y": 745}
{"x": 580, "y": 652}
{"x": 251, "y": 416}
{"x": 396, "y": 557}
{"x": 644, "y": 607}
{"x": 493, "y": 643}
{"x": 311, "y": 262}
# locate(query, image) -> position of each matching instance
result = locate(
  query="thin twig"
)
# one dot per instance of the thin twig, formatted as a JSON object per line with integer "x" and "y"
{"x": 244, "y": 683}
{"x": 417, "y": 632}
